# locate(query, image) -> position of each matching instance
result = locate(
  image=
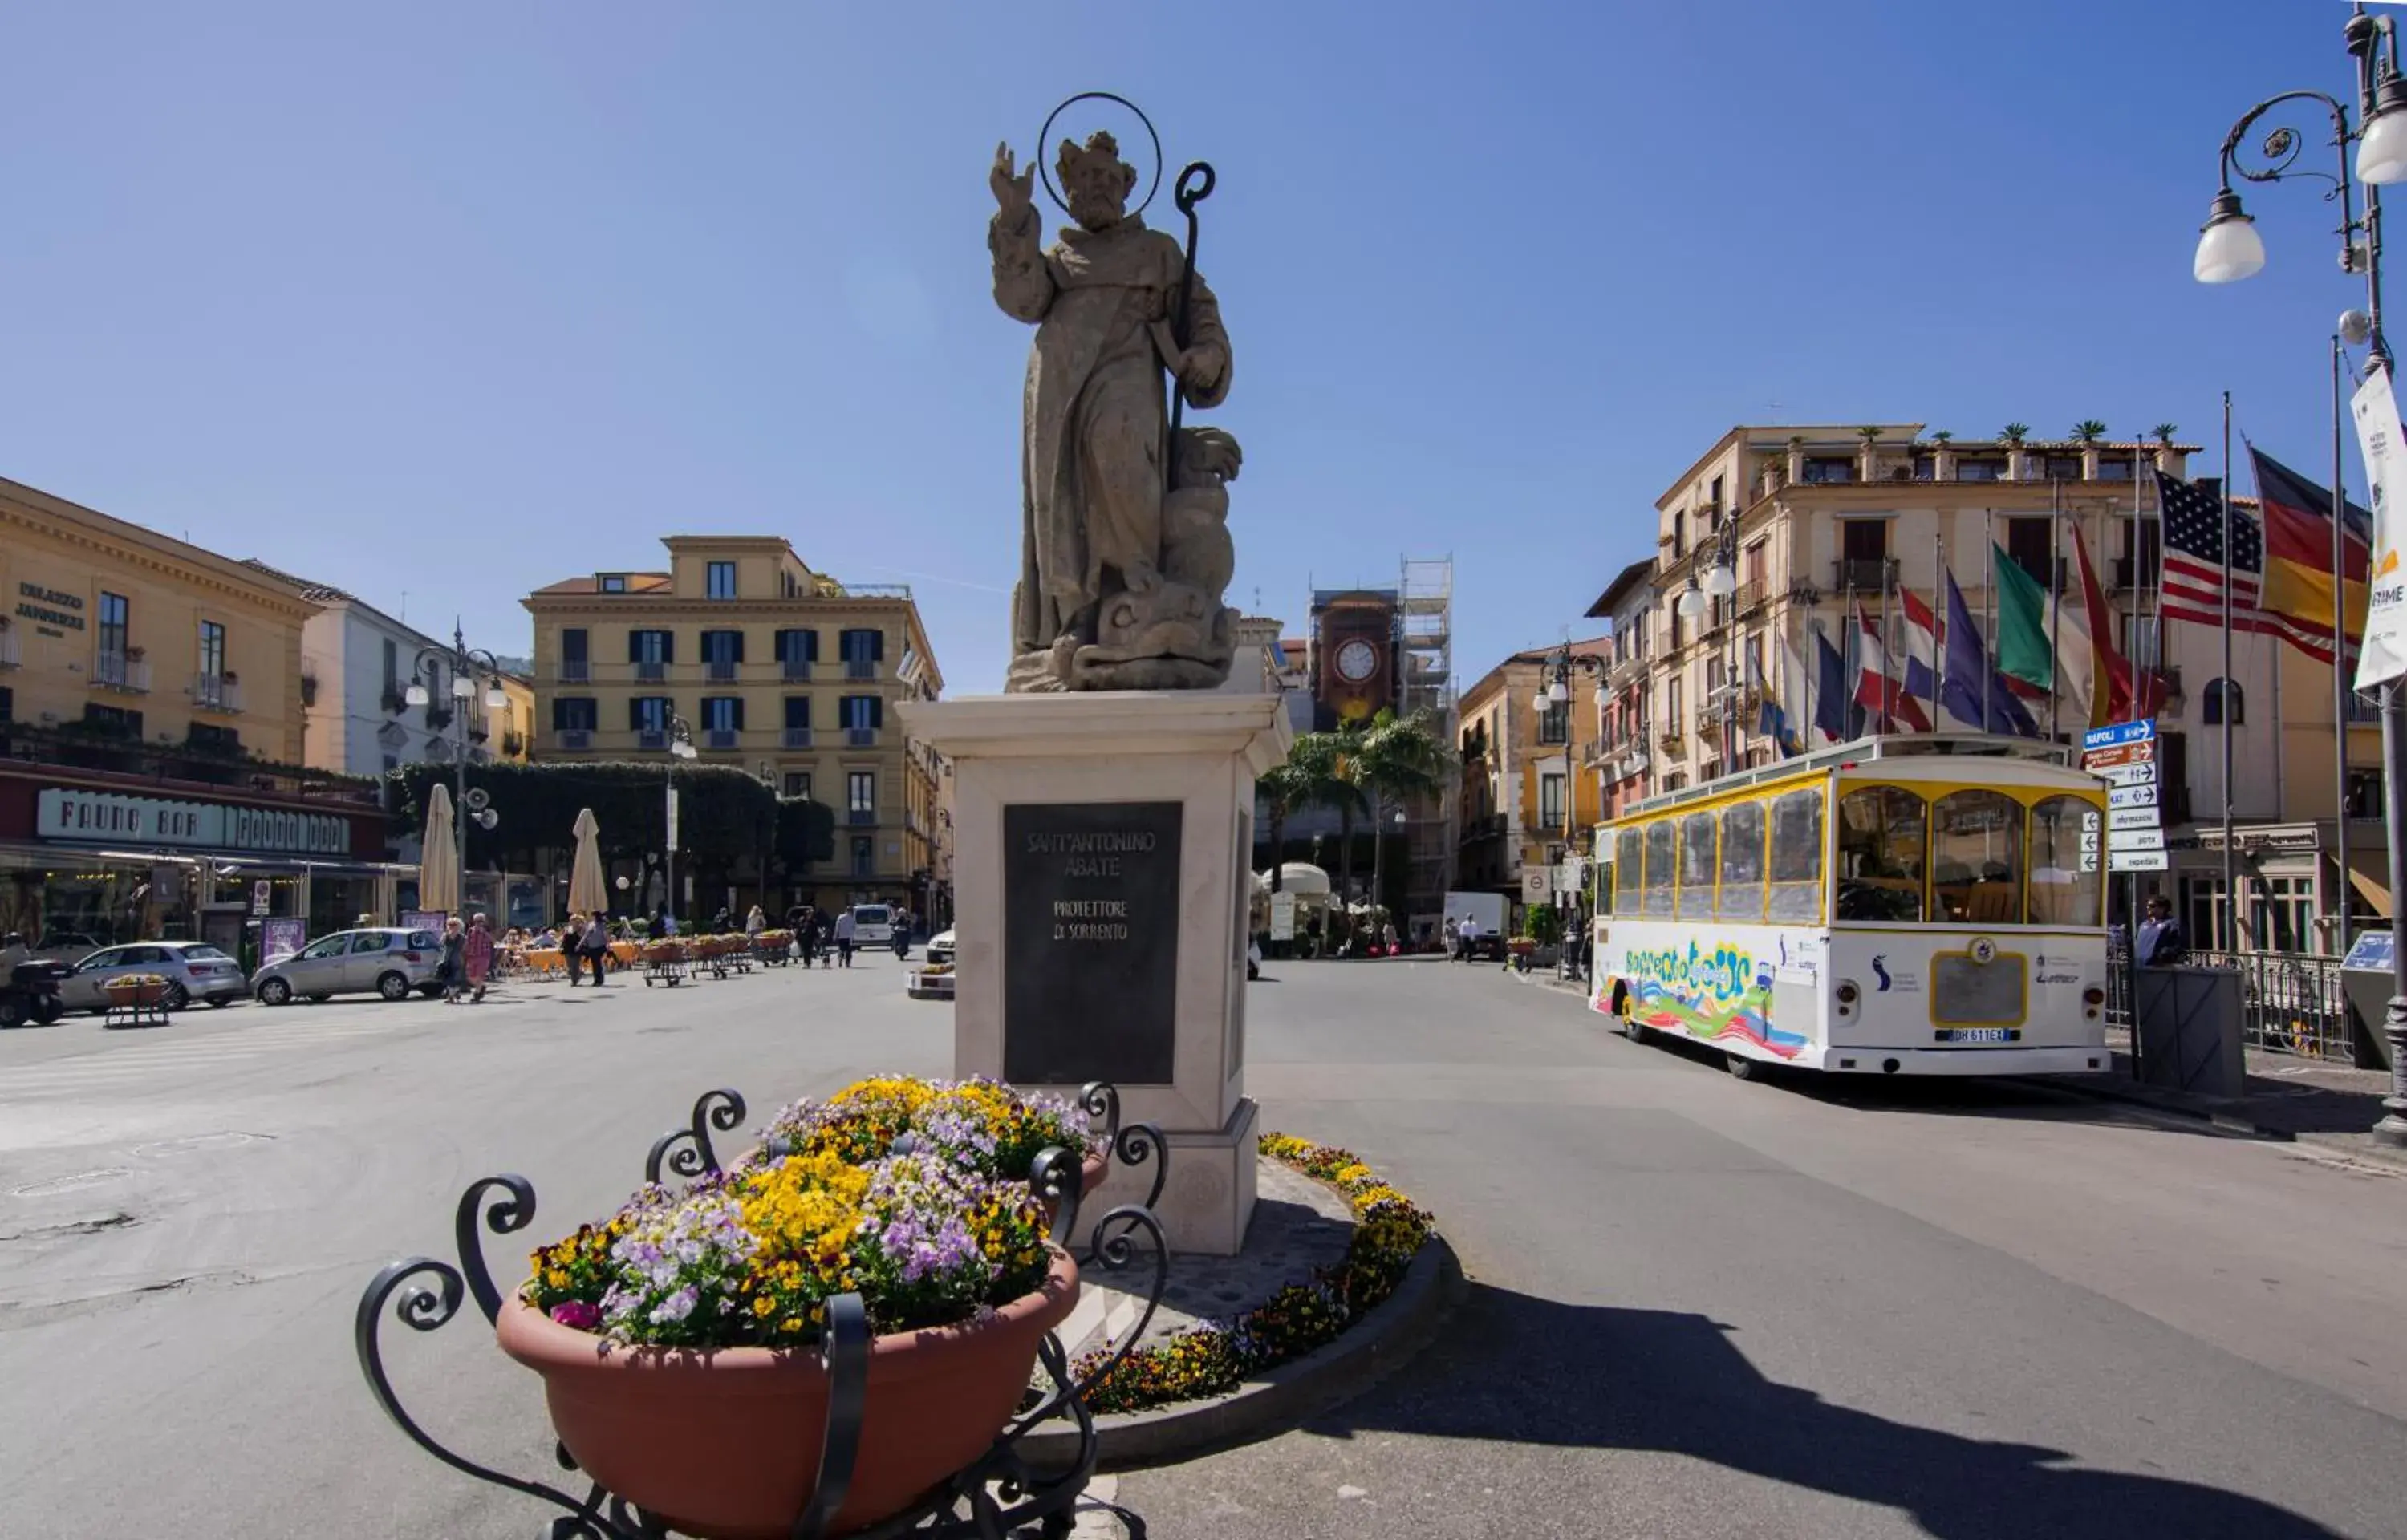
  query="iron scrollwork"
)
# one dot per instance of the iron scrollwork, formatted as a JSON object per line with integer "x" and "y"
{"x": 687, "y": 1152}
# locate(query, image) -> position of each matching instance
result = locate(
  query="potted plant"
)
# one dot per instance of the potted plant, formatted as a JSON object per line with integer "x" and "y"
{"x": 677, "y": 1340}
{"x": 135, "y": 654}
{"x": 135, "y": 990}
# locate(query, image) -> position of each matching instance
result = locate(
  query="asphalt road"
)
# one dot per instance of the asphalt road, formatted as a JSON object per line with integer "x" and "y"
{"x": 1698, "y": 1307}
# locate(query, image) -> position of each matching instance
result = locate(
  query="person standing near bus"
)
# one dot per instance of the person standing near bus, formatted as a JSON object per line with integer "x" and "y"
{"x": 2161, "y": 944}
{"x": 844, "y": 933}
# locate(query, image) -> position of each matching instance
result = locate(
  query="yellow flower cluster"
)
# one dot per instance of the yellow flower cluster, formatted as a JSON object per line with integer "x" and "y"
{"x": 804, "y": 1211}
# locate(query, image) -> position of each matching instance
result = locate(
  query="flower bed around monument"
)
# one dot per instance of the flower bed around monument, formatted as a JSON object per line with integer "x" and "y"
{"x": 1214, "y": 1359}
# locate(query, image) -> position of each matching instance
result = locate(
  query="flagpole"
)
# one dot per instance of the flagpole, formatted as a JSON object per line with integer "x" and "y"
{"x": 1938, "y": 625}
{"x": 1989, "y": 680}
{"x": 1886, "y": 725}
{"x": 2056, "y": 603}
{"x": 2230, "y": 889}
{"x": 2340, "y": 659}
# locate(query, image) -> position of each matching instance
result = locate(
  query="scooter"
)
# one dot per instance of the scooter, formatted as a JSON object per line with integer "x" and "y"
{"x": 32, "y": 994}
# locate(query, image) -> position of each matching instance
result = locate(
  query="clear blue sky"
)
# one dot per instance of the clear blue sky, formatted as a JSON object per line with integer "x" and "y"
{"x": 460, "y": 299}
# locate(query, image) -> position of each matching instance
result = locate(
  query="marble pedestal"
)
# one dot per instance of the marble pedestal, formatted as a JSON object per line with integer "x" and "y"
{"x": 1101, "y": 874}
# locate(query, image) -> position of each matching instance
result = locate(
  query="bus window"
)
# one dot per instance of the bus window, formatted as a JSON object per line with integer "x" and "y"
{"x": 2064, "y": 881}
{"x": 1976, "y": 858}
{"x": 1628, "y": 869}
{"x": 1697, "y": 867}
{"x": 1881, "y": 844}
{"x": 1661, "y": 836}
{"x": 1797, "y": 858}
{"x": 1742, "y": 863}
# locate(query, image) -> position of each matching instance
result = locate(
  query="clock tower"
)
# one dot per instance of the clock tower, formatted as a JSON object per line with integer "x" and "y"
{"x": 1354, "y": 645}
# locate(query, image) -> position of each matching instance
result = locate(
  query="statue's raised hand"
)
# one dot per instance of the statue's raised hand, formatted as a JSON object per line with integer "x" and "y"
{"x": 1012, "y": 192}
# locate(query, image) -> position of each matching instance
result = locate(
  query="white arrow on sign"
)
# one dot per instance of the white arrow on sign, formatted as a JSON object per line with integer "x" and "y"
{"x": 2132, "y": 818}
{"x": 2129, "y": 775}
{"x": 2137, "y": 860}
{"x": 2135, "y": 839}
{"x": 2089, "y": 839}
{"x": 2131, "y": 797}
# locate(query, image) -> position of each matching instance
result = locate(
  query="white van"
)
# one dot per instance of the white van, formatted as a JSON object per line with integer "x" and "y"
{"x": 873, "y": 924}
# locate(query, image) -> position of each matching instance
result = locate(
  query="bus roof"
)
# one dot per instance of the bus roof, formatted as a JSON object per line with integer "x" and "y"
{"x": 1916, "y": 756}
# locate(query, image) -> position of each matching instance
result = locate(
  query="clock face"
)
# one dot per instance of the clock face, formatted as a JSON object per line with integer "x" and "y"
{"x": 1357, "y": 660}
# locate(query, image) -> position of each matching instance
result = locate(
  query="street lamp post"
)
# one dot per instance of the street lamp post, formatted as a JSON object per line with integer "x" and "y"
{"x": 2230, "y": 249}
{"x": 680, "y": 747}
{"x": 462, "y": 664}
{"x": 1555, "y": 691}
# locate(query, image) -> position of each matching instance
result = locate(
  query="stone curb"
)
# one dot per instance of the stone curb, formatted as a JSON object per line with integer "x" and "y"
{"x": 1395, "y": 1330}
{"x": 2229, "y": 1125}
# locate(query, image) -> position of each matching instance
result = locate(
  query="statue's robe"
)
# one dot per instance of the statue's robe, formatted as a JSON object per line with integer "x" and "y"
{"x": 1091, "y": 475}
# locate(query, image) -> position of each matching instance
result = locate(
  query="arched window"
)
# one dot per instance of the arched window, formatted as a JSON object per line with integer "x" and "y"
{"x": 2220, "y": 692}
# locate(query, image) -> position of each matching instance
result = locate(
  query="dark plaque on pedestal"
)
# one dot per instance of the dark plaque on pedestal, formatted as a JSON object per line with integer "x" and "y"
{"x": 1091, "y": 942}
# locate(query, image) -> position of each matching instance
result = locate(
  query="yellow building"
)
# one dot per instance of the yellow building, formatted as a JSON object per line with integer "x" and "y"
{"x": 150, "y": 739}
{"x": 770, "y": 667}
{"x": 115, "y": 632}
{"x": 509, "y": 729}
{"x": 1525, "y": 801}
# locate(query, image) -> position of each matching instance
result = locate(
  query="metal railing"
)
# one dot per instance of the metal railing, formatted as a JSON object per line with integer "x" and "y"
{"x": 795, "y": 667}
{"x": 798, "y": 738}
{"x": 2290, "y": 1002}
{"x": 722, "y": 669}
{"x": 215, "y": 692}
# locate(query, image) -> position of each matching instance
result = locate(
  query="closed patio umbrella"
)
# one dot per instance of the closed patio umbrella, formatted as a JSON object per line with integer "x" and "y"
{"x": 588, "y": 893}
{"x": 439, "y": 856}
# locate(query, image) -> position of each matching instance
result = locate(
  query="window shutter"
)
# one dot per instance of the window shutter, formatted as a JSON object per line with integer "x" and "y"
{"x": 560, "y": 714}
{"x": 877, "y": 646}
{"x": 668, "y": 646}
{"x": 634, "y": 646}
{"x": 737, "y": 701}
{"x": 810, "y": 646}
{"x": 635, "y": 714}
{"x": 877, "y": 711}
{"x": 736, "y": 641}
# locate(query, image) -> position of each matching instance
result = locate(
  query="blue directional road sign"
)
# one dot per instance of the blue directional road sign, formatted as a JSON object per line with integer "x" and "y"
{"x": 2119, "y": 732}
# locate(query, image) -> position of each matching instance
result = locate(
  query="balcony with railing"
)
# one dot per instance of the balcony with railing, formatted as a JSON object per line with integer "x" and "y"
{"x": 122, "y": 672}
{"x": 1753, "y": 594}
{"x": 722, "y": 669}
{"x": 573, "y": 738}
{"x": 860, "y": 667}
{"x": 798, "y": 738}
{"x": 574, "y": 670}
{"x": 861, "y": 738}
{"x": 860, "y": 818}
{"x": 720, "y": 738}
{"x": 650, "y": 669}
{"x": 216, "y": 692}
{"x": 651, "y": 738}
{"x": 1864, "y": 574}
{"x": 794, "y": 669}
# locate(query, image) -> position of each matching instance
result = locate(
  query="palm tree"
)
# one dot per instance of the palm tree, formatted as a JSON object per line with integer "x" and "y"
{"x": 2165, "y": 431}
{"x": 1398, "y": 757}
{"x": 2014, "y": 434}
{"x": 1284, "y": 791}
{"x": 1941, "y": 437}
{"x": 1313, "y": 775}
{"x": 1868, "y": 435}
{"x": 2088, "y": 430}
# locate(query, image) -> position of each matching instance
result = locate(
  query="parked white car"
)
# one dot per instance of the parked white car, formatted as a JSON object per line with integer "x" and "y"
{"x": 387, "y": 961}
{"x": 195, "y": 971}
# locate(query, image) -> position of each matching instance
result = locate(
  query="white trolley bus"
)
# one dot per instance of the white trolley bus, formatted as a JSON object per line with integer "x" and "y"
{"x": 1924, "y": 905}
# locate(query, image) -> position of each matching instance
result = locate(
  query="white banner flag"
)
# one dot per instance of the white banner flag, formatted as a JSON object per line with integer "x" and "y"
{"x": 673, "y": 818}
{"x": 2385, "y": 655}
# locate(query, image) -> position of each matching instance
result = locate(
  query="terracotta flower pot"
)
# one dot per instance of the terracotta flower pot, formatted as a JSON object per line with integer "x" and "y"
{"x": 725, "y": 1445}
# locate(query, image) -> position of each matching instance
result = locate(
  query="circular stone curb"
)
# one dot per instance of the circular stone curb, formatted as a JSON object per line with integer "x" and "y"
{"x": 1396, "y": 1328}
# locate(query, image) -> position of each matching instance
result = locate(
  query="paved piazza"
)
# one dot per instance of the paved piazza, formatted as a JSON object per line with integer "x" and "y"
{"x": 1697, "y": 1307}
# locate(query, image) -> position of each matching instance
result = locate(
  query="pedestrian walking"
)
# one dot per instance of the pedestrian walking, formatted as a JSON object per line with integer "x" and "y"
{"x": 477, "y": 951}
{"x": 754, "y": 923}
{"x": 1469, "y": 935}
{"x": 596, "y": 947}
{"x": 571, "y": 942}
{"x": 844, "y": 934}
{"x": 451, "y": 970}
{"x": 1453, "y": 937}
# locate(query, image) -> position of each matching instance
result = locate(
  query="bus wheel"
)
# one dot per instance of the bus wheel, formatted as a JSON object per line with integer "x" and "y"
{"x": 1632, "y": 1027}
{"x": 1743, "y": 1068}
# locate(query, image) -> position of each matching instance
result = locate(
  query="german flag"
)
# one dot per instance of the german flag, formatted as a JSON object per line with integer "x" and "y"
{"x": 2297, "y": 595}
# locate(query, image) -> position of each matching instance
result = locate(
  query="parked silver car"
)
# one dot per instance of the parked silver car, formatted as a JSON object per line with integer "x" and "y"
{"x": 387, "y": 961}
{"x": 195, "y": 971}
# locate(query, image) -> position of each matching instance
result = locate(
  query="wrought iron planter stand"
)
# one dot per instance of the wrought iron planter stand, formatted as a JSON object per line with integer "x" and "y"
{"x": 1000, "y": 1494}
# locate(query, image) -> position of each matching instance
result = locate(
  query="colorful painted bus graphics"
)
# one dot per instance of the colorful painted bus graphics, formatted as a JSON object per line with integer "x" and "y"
{"x": 1709, "y": 993}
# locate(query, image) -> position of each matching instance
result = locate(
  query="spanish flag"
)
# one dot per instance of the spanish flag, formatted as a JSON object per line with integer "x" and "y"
{"x": 2297, "y": 596}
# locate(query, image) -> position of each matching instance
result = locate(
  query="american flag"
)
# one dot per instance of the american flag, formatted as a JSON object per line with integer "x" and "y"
{"x": 2193, "y": 588}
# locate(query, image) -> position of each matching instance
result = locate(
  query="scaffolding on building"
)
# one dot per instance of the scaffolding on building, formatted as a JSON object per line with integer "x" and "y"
{"x": 1425, "y": 656}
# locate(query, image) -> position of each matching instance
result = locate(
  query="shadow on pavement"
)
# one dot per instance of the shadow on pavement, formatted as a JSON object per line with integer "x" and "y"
{"x": 1514, "y": 1368}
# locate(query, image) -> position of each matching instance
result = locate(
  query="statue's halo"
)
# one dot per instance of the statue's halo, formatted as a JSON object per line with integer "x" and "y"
{"x": 1045, "y": 136}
